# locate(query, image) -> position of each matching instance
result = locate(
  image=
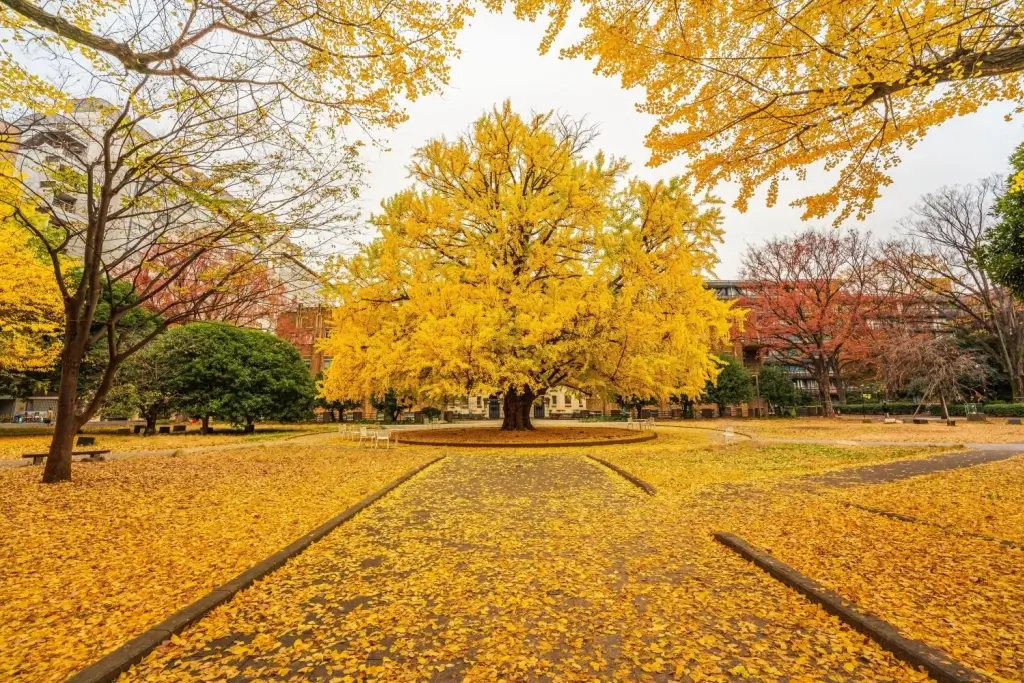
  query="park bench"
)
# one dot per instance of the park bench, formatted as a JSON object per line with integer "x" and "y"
{"x": 177, "y": 428}
{"x": 165, "y": 429}
{"x": 91, "y": 456}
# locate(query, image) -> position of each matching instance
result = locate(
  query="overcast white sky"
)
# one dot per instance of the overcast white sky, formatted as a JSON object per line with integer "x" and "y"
{"x": 500, "y": 60}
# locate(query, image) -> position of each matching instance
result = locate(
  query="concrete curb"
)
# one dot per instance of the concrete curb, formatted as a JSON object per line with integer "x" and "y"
{"x": 110, "y": 667}
{"x": 706, "y": 429}
{"x": 565, "y": 444}
{"x": 939, "y": 665}
{"x": 914, "y": 520}
{"x": 631, "y": 478}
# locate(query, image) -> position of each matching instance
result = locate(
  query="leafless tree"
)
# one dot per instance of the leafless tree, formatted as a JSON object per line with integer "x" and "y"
{"x": 181, "y": 201}
{"x": 938, "y": 267}
{"x": 935, "y": 365}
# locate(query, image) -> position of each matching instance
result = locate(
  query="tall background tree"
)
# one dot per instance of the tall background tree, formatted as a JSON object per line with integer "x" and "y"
{"x": 30, "y": 305}
{"x": 194, "y": 143}
{"x": 732, "y": 386}
{"x": 1004, "y": 253}
{"x": 390, "y": 404}
{"x": 515, "y": 264}
{"x": 776, "y": 387}
{"x": 811, "y": 297}
{"x": 757, "y": 93}
{"x": 235, "y": 374}
{"x": 940, "y": 265}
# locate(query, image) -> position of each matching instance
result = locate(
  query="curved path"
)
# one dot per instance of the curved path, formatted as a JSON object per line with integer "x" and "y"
{"x": 523, "y": 568}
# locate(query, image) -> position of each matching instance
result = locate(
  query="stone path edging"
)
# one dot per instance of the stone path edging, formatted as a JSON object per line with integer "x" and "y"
{"x": 631, "y": 478}
{"x": 111, "y": 666}
{"x": 939, "y": 665}
{"x": 558, "y": 444}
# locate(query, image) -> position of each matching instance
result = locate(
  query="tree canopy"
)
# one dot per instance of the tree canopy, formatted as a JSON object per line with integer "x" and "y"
{"x": 31, "y": 314}
{"x": 1004, "y": 253}
{"x": 733, "y": 385}
{"x": 235, "y": 374}
{"x": 515, "y": 264}
{"x": 776, "y": 387}
{"x": 757, "y": 92}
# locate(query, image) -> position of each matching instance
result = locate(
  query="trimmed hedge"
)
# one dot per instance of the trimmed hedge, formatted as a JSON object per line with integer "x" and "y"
{"x": 994, "y": 409}
{"x": 893, "y": 408}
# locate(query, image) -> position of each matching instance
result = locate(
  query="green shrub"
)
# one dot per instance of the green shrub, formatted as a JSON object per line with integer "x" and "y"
{"x": 892, "y": 407}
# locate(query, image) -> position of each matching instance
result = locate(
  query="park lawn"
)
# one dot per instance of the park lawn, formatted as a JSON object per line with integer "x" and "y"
{"x": 13, "y": 444}
{"x": 91, "y": 563}
{"x": 988, "y": 499}
{"x": 960, "y": 594}
{"x": 675, "y": 467}
{"x": 997, "y": 430}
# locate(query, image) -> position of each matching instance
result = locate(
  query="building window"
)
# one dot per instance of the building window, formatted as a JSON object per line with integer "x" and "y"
{"x": 479, "y": 401}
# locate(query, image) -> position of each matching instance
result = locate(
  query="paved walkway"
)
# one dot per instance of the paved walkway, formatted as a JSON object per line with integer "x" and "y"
{"x": 523, "y": 568}
{"x": 904, "y": 469}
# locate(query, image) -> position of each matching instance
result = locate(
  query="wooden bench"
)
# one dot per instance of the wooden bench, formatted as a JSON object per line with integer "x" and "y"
{"x": 91, "y": 456}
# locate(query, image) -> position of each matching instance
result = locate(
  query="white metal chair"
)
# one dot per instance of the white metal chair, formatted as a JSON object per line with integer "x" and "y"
{"x": 365, "y": 433}
{"x": 382, "y": 435}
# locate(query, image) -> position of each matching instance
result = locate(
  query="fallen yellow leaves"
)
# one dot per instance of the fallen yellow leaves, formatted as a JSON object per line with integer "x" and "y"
{"x": 854, "y": 429}
{"x": 89, "y": 564}
{"x": 986, "y": 500}
{"x": 13, "y": 445}
{"x": 520, "y": 567}
{"x": 673, "y": 467}
{"x": 496, "y": 565}
{"x": 962, "y": 595}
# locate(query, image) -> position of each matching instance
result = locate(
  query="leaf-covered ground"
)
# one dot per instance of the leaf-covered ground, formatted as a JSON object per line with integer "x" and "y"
{"x": 522, "y": 567}
{"x": 492, "y": 565}
{"x": 682, "y": 461}
{"x": 87, "y": 565}
{"x": 997, "y": 430}
{"x": 13, "y": 445}
{"x": 986, "y": 500}
{"x": 962, "y": 595}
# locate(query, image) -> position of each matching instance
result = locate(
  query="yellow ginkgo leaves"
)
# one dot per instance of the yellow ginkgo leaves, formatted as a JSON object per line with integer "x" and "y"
{"x": 89, "y": 564}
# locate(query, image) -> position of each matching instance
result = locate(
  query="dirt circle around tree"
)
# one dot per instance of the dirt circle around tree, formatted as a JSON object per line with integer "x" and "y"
{"x": 541, "y": 437}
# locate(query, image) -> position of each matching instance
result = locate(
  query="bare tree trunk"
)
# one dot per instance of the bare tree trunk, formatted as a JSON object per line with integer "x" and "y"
{"x": 150, "y": 424}
{"x": 517, "y": 411}
{"x": 942, "y": 402}
{"x": 840, "y": 390}
{"x": 823, "y": 388}
{"x": 205, "y": 429}
{"x": 58, "y": 460}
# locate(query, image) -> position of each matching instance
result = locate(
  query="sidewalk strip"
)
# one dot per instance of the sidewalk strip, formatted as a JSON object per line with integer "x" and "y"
{"x": 939, "y": 665}
{"x": 110, "y": 667}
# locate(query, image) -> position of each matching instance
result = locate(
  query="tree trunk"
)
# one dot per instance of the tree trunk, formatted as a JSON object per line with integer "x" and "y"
{"x": 150, "y": 424}
{"x": 840, "y": 390}
{"x": 517, "y": 411}
{"x": 825, "y": 390}
{"x": 250, "y": 428}
{"x": 58, "y": 460}
{"x": 205, "y": 429}
{"x": 942, "y": 402}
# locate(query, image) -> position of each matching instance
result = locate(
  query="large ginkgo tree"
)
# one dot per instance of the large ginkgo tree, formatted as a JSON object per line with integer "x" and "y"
{"x": 517, "y": 263}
